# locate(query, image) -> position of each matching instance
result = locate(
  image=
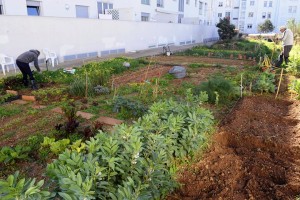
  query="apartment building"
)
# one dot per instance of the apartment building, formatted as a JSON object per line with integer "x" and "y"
{"x": 167, "y": 11}
{"x": 246, "y": 15}
{"x": 79, "y": 29}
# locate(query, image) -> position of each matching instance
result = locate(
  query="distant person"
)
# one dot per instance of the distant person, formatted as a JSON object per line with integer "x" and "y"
{"x": 287, "y": 45}
{"x": 23, "y": 61}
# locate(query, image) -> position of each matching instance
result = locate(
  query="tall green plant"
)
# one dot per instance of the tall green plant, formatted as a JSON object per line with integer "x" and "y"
{"x": 137, "y": 161}
{"x": 14, "y": 188}
{"x": 218, "y": 86}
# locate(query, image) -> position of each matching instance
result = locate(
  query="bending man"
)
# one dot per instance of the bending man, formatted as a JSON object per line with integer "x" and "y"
{"x": 23, "y": 61}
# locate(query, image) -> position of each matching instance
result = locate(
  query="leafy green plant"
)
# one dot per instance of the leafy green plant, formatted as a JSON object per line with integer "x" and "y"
{"x": 11, "y": 154}
{"x": 128, "y": 107}
{"x": 225, "y": 89}
{"x": 265, "y": 83}
{"x": 101, "y": 89}
{"x": 44, "y": 95}
{"x": 293, "y": 66}
{"x": 13, "y": 82}
{"x": 15, "y": 188}
{"x": 294, "y": 87}
{"x": 135, "y": 161}
{"x": 56, "y": 147}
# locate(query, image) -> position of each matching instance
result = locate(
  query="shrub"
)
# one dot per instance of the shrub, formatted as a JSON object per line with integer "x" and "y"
{"x": 265, "y": 83}
{"x": 128, "y": 108}
{"x": 82, "y": 87}
{"x": 135, "y": 161}
{"x": 15, "y": 188}
{"x": 218, "y": 89}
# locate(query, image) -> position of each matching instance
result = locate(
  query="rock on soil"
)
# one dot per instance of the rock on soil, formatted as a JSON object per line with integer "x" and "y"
{"x": 255, "y": 155}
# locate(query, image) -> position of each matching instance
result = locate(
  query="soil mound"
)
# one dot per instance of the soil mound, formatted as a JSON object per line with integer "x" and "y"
{"x": 256, "y": 155}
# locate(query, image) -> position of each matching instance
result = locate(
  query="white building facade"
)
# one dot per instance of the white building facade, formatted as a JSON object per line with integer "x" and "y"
{"x": 78, "y": 29}
{"x": 246, "y": 15}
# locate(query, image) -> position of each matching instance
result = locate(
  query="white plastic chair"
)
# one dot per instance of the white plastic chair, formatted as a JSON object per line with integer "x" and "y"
{"x": 7, "y": 61}
{"x": 50, "y": 55}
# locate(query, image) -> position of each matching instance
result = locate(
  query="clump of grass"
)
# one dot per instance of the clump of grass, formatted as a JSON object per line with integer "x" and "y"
{"x": 219, "y": 89}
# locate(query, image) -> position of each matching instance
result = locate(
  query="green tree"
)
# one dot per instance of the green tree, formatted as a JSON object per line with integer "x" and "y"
{"x": 266, "y": 27}
{"x": 226, "y": 30}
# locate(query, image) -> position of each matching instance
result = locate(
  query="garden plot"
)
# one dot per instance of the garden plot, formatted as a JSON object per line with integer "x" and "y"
{"x": 252, "y": 156}
{"x": 186, "y": 60}
{"x": 255, "y": 155}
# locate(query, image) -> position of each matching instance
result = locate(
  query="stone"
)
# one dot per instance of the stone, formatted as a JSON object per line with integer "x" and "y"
{"x": 14, "y": 92}
{"x": 28, "y": 98}
{"x": 58, "y": 110}
{"x": 109, "y": 121}
{"x": 84, "y": 115}
{"x": 38, "y": 107}
{"x": 20, "y": 102}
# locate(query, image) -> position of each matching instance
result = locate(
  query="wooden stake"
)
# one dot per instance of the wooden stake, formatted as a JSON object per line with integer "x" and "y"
{"x": 241, "y": 85}
{"x": 279, "y": 83}
{"x": 86, "y": 84}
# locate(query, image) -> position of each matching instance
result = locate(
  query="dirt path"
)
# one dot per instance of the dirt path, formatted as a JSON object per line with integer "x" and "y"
{"x": 185, "y": 60}
{"x": 256, "y": 155}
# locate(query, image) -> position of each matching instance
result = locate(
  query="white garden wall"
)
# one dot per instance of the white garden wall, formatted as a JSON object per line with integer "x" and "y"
{"x": 73, "y": 38}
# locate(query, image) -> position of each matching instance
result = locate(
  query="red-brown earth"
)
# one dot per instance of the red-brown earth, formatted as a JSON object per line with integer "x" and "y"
{"x": 254, "y": 155}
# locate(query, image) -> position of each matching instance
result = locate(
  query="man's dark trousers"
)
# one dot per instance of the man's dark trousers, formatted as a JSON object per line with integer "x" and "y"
{"x": 26, "y": 71}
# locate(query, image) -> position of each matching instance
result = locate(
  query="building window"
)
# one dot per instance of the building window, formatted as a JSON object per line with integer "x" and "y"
{"x": 180, "y": 16}
{"x": 228, "y": 3}
{"x": 1, "y": 9}
{"x": 252, "y": 3}
{"x": 243, "y": 5}
{"x": 250, "y": 14}
{"x": 82, "y": 11}
{"x": 270, "y": 3}
{"x": 227, "y": 15}
{"x": 249, "y": 26}
{"x": 145, "y": 17}
{"x": 103, "y": 6}
{"x": 187, "y": 2}
{"x": 263, "y": 15}
{"x": 181, "y": 5}
{"x": 292, "y": 9}
{"x": 265, "y": 3}
{"x": 220, "y": 4}
{"x": 33, "y": 8}
{"x": 269, "y": 15}
{"x": 200, "y": 8}
{"x": 160, "y": 3}
{"x": 220, "y": 15}
{"x": 145, "y": 2}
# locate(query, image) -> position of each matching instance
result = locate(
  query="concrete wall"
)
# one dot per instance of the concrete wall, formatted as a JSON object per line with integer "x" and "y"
{"x": 78, "y": 38}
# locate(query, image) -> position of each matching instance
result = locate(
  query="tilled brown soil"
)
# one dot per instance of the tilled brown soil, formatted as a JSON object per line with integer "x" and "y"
{"x": 185, "y": 60}
{"x": 255, "y": 155}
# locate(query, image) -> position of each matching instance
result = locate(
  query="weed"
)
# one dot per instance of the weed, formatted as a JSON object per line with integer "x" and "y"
{"x": 7, "y": 111}
{"x": 218, "y": 86}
